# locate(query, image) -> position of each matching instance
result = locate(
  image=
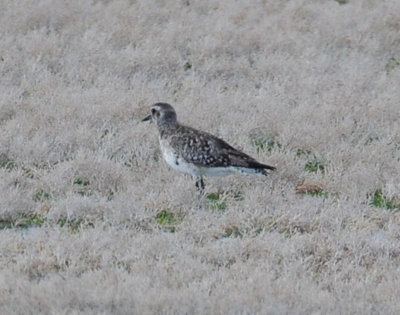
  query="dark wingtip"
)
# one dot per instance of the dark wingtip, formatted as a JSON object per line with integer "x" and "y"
{"x": 263, "y": 169}
{"x": 269, "y": 167}
{"x": 255, "y": 164}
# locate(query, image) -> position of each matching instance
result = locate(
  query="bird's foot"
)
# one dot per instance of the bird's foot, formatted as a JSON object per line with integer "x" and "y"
{"x": 200, "y": 184}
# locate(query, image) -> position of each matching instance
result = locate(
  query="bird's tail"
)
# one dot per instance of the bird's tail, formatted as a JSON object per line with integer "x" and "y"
{"x": 262, "y": 168}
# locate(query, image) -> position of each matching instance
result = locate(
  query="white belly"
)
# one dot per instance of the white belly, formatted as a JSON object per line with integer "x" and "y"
{"x": 179, "y": 164}
{"x": 217, "y": 171}
{"x": 224, "y": 171}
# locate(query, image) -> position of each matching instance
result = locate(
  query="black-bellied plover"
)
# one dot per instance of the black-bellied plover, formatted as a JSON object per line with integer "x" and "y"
{"x": 197, "y": 152}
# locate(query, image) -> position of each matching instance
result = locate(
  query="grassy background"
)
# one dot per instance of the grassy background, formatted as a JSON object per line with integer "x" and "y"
{"x": 92, "y": 220}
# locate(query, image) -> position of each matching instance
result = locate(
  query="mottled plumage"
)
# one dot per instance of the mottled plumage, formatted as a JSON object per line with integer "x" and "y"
{"x": 197, "y": 152}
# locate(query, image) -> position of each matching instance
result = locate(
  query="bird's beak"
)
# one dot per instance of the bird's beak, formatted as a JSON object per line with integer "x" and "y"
{"x": 147, "y": 118}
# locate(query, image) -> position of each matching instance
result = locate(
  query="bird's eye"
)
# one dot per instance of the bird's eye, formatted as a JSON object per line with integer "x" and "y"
{"x": 153, "y": 111}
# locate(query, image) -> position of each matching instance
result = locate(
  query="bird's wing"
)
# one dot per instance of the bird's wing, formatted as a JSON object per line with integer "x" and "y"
{"x": 204, "y": 149}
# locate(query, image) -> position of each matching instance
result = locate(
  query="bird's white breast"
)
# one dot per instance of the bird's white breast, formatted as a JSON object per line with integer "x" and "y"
{"x": 174, "y": 159}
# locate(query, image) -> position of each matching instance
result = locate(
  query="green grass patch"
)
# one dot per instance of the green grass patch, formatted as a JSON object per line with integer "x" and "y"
{"x": 303, "y": 153}
{"x": 105, "y": 133}
{"x": 264, "y": 143}
{"x": 165, "y": 217}
{"x": 313, "y": 163}
{"x": 80, "y": 181}
{"x": 83, "y": 186}
{"x": 391, "y": 64}
{"x": 371, "y": 139}
{"x": 6, "y": 224}
{"x": 29, "y": 221}
{"x": 264, "y": 140}
{"x": 314, "y": 166}
{"x": 167, "y": 220}
{"x": 342, "y": 1}
{"x": 320, "y": 193}
{"x": 379, "y": 200}
{"x": 28, "y": 172}
{"x": 74, "y": 225}
{"x": 41, "y": 195}
{"x": 34, "y": 220}
{"x": 218, "y": 200}
{"x": 7, "y": 163}
{"x": 215, "y": 201}
{"x": 232, "y": 231}
{"x": 110, "y": 195}
{"x": 187, "y": 66}
{"x": 26, "y": 221}
{"x": 23, "y": 222}
{"x": 238, "y": 195}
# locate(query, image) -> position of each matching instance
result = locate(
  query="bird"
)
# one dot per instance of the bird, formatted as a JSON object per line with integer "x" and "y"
{"x": 199, "y": 153}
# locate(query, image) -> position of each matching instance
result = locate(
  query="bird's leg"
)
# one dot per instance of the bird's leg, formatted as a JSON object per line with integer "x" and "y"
{"x": 199, "y": 183}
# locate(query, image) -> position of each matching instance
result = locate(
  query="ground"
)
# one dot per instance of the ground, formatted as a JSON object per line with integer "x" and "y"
{"x": 92, "y": 220}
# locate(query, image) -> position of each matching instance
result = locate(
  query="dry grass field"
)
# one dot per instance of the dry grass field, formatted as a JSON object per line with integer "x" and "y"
{"x": 92, "y": 221}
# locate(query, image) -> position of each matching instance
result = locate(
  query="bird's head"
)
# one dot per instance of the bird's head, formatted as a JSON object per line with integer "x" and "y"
{"x": 162, "y": 113}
